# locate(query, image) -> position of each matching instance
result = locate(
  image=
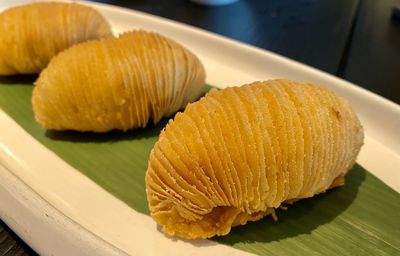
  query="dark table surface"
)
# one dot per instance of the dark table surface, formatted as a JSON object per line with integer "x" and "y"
{"x": 355, "y": 40}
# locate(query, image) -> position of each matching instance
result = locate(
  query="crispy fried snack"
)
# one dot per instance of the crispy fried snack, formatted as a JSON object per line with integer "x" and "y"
{"x": 239, "y": 153}
{"x": 117, "y": 83}
{"x": 32, "y": 34}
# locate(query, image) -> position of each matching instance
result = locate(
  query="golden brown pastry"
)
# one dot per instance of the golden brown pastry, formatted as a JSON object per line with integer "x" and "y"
{"x": 239, "y": 153}
{"x": 117, "y": 83}
{"x": 32, "y": 34}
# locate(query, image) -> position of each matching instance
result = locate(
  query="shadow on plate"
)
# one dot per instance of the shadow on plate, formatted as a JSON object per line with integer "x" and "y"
{"x": 149, "y": 131}
{"x": 18, "y": 79}
{"x": 196, "y": 243}
{"x": 302, "y": 217}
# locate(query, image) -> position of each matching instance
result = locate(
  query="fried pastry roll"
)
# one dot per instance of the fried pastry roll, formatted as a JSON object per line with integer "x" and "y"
{"x": 117, "y": 83}
{"x": 238, "y": 154}
{"x": 32, "y": 34}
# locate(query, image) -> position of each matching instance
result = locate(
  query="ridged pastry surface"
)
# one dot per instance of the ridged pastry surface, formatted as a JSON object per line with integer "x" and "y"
{"x": 117, "y": 83}
{"x": 239, "y": 153}
{"x": 32, "y": 34}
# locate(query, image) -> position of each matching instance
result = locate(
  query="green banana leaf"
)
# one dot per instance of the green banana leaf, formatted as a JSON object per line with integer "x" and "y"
{"x": 361, "y": 218}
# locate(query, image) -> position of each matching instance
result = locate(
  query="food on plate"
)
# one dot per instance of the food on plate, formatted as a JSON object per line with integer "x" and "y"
{"x": 117, "y": 83}
{"x": 238, "y": 154}
{"x": 32, "y": 34}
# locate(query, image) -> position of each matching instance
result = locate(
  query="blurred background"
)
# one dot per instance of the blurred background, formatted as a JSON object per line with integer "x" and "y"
{"x": 357, "y": 40}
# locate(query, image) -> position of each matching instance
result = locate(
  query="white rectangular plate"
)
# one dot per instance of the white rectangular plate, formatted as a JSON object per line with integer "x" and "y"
{"x": 48, "y": 210}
